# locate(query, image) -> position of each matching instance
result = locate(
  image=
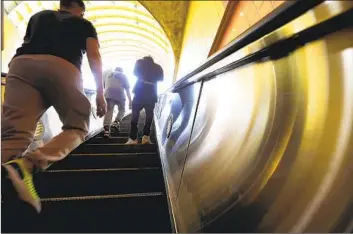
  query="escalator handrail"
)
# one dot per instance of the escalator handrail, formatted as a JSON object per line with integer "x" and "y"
{"x": 282, "y": 47}
{"x": 285, "y": 13}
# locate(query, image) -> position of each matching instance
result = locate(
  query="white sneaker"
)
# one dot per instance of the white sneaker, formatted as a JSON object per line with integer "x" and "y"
{"x": 131, "y": 142}
{"x": 146, "y": 140}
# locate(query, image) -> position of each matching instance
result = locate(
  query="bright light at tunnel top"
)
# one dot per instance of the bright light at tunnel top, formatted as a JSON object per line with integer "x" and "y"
{"x": 128, "y": 68}
{"x": 126, "y": 31}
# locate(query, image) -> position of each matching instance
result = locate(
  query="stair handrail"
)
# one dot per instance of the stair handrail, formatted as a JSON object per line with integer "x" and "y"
{"x": 285, "y": 13}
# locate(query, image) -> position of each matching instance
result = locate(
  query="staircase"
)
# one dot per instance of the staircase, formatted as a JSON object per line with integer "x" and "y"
{"x": 102, "y": 186}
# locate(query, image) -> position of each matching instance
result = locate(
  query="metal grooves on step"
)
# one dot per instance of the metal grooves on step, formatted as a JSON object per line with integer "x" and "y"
{"x": 110, "y": 137}
{"x": 114, "y": 154}
{"x": 104, "y": 169}
{"x": 112, "y": 144}
{"x": 102, "y": 197}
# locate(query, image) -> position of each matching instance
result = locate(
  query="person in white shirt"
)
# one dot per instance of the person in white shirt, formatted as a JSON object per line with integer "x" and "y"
{"x": 115, "y": 86}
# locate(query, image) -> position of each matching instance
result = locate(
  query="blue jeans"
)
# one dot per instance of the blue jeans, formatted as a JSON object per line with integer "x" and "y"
{"x": 136, "y": 108}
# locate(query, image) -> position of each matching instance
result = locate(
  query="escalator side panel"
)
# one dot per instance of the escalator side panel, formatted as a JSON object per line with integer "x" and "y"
{"x": 233, "y": 119}
{"x": 271, "y": 144}
{"x": 174, "y": 116}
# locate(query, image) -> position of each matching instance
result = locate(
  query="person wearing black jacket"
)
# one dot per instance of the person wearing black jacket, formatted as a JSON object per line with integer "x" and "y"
{"x": 148, "y": 73}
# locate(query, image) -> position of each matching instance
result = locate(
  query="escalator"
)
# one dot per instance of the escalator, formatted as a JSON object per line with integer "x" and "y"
{"x": 102, "y": 186}
{"x": 256, "y": 139}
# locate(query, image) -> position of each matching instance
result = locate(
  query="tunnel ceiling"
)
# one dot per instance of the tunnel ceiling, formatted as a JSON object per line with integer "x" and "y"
{"x": 126, "y": 29}
{"x": 172, "y": 17}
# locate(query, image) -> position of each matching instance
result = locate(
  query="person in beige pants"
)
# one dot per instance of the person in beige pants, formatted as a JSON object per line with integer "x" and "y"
{"x": 43, "y": 81}
{"x": 45, "y": 72}
{"x": 116, "y": 85}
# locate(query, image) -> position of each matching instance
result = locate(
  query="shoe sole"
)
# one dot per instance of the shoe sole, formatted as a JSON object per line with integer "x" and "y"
{"x": 21, "y": 188}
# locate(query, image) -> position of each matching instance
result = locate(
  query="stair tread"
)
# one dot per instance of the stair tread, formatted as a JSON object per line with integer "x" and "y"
{"x": 142, "y": 214}
{"x": 86, "y": 183}
{"x": 115, "y": 148}
{"x": 102, "y": 186}
{"x": 117, "y": 160}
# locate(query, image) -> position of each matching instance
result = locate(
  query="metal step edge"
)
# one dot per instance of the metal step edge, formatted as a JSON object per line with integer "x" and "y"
{"x": 102, "y": 197}
{"x": 100, "y": 137}
{"x": 102, "y": 169}
{"x": 112, "y": 144}
{"x": 99, "y": 197}
{"x": 113, "y": 154}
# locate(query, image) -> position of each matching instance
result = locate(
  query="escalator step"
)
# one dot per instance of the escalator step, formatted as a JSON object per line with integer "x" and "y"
{"x": 102, "y": 186}
{"x": 123, "y": 133}
{"x": 114, "y": 148}
{"x": 148, "y": 214}
{"x": 114, "y": 134}
{"x": 107, "y": 161}
{"x": 114, "y": 139}
{"x": 88, "y": 183}
{"x": 100, "y": 140}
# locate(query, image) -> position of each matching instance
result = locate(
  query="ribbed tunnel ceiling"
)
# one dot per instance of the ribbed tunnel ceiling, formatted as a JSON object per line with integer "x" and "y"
{"x": 126, "y": 30}
{"x": 172, "y": 17}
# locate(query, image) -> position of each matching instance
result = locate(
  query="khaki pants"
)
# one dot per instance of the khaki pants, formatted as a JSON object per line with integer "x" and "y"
{"x": 110, "y": 109}
{"x": 34, "y": 83}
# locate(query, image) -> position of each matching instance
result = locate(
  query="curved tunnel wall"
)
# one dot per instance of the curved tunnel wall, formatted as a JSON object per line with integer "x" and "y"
{"x": 266, "y": 146}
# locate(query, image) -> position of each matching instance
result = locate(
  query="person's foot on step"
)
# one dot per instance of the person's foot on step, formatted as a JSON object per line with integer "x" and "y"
{"x": 106, "y": 133}
{"x": 22, "y": 180}
{"x": 131, "y": 142}
{"x": 146, "y": 140}
{"x": 116, "y": 126}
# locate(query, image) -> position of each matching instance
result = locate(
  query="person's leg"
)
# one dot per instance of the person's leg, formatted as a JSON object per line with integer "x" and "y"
{"x": 22, "y": 108}
{"x": 74, "y": 110}
{"x": 108, "y": 117}
{"x": 148, "y": 122}
{"x": 20, "y": 116}
{"x": 136, "y": 108}
{"x": 120, "y": 115}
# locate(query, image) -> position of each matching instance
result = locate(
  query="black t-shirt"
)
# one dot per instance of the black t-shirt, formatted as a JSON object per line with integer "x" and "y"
{"x": 57, "y": 33}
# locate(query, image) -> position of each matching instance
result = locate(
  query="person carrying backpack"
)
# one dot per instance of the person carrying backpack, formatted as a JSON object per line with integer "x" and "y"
{"x": 148, "y": 73}
{"x": 115, "y": 84}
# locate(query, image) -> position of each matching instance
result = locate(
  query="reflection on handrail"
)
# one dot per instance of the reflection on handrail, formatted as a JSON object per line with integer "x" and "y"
{"x": 279, "y": 17}
{"x": 282, "y": 47}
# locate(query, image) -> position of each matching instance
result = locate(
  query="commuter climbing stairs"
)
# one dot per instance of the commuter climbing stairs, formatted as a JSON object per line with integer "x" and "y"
{"x": 102, "y": 186}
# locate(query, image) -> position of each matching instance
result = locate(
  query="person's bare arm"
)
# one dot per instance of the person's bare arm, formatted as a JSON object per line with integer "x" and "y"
{"x": 95, "y": 63}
